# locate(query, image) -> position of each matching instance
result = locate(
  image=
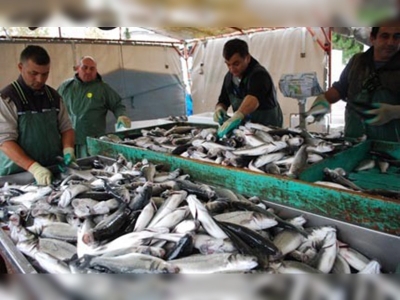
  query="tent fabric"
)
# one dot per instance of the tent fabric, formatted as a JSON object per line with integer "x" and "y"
{"x": 279, "y": 51}
{"x": 150, "y": 75}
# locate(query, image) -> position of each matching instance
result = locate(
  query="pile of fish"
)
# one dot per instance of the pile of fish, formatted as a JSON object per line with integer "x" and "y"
{"x": 252, "y": 146}
{"x": 140, "y": 218}
{"x": 341, "y": 179}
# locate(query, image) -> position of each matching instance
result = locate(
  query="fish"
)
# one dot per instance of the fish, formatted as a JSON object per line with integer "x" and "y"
{"x": 340, "y": 266}
{"x": 132, "y": 263}
{"x": 199, "y": 212}
{"x": 70, "y": 193}
{"x": 294, "y": 267}
{"x": 325, "y": 258}
{"x": 373, "y": 267}
{"x": 383, "y": 166}
{"x": 336, "y": 177}
{"x": 249, "y": 219}
{"x": 365, "y": 165}
{"x": 287, "y": 241}
{"x": 215, "y": 263}
{"x": 145, "y": 216}
{"x": 51, "y": 264}
{"x": 262, "y": 149}
{"x": 209, "y": 245}
{"x": 58, "y": 249}
{"x": 268, "y": 158}
{"x": 299, "y": 163}
{"x": 354, "y": 258}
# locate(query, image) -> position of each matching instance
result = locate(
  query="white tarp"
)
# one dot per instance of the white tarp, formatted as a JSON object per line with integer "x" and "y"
{"x": 148, "y": 78}
{"x": 279, "y": 51}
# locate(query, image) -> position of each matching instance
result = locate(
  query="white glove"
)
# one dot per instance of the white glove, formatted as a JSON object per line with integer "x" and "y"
{"x": 41, "y": 174}
{"x": 384, "y": 114}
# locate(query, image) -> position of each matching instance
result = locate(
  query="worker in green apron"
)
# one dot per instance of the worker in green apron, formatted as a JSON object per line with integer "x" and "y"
{"x": 248, "y": 88}
{"x": 34, "y": 123}
{"x": 88, "y": 99}
{"x": 370, "y": 84}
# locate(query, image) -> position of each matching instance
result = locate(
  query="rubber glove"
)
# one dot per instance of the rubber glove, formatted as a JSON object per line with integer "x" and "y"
{"x": 41, "y": 174}
{"x": 384, "y": 114}
{"x": 230, "y": 124}
{"x": 69, "y": 155}
{"x": 319, "y": 108}
{"x": 220, "y": 115}
{"x": 123, "y": 121}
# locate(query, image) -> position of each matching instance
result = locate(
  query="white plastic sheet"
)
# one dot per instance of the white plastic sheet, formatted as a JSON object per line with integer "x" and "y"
{"x": 279, "y": 51}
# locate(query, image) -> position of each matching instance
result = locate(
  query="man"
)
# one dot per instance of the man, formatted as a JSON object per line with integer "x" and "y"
{"x": 370, "y": 84}
{"x": 88, "y": 99}
{"x": 248, "y": 87}
{"x": 34, "y": 123}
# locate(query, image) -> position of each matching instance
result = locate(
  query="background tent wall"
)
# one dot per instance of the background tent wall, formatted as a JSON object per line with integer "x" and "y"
{"x": 148, "y": 78}
{"x": 279, "y": 51}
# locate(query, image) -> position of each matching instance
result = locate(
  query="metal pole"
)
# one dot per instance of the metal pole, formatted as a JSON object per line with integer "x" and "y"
{"x": 302, "y": 113}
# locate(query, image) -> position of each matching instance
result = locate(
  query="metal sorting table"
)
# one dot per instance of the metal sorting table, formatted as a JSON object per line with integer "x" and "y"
{"x": 15, "y": 259}
{"x": 374, "y": 244}
{"x": 370, "y": 211}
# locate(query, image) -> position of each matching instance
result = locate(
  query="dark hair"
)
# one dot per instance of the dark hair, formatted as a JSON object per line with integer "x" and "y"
{"x": 35, "y": 53}
{"x": 235, "y": 46}
{"x": 391, "y": 22}
{"x": 374, "y": 31}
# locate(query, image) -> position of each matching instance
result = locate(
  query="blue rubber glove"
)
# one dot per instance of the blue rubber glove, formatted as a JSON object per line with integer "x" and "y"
{"x": 384, "y": 114}
{"x": 69, "y": 155}
{"x": 220, "y": 115}
{"x": 230, "y": 124}
{"x": 123, "y": 121}
{"x": 319, "y": 108}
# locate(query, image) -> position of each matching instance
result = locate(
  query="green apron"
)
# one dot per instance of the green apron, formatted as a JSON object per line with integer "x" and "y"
{"x": 355, "y": 126}
{"x": 268, "y": 117}
{"x": 81, "y": 151}
{"x": 38, "y": 135}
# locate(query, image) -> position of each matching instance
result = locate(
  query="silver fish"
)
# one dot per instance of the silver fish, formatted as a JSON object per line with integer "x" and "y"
{"x": 29, "y": 198}
{"x": 215, "y": 263}
{"x": 354, "y": 258}
{"x": 293, "y": 267}
{"x": 51, "y": 264}
{"x": 299, "y": 163}
{"x": 340, "y": 266}
{"x": 168, "y": 206}
{"x": 268, "y": 158}
{"x": 199, "y": 212}
{"x": 327, "y": 255}
{"x": 70, "y": 193}
{"x": 383, "y": 166}
{"x": 287, "y": 241}
{"x": 208, "y": 245}
{"x": 187, "y": 226}
{"x": 56, "y": 248}
{"x": 134, "y": 263}
{"x": 373, "y": 267}
{"x": 365, "y": 165}
{"x": 173, "y": 218}
{"x": 145, "y": 216}
{"x": 252, "y": 220}
{"x": 261, "y": 150}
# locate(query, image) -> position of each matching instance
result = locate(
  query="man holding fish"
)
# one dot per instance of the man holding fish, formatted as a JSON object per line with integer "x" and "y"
{"x": 370, "y": 84}
{"x": 34, "y": 123}
{"x": 248, "y": 88}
